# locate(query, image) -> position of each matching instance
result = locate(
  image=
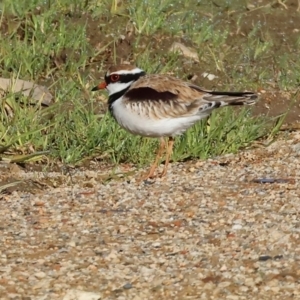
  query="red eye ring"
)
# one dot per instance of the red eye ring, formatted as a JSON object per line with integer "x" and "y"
{"x": 114, "y": 77}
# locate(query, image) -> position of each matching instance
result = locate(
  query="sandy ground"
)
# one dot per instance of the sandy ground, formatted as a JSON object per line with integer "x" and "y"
{"x": 210, "y": 230}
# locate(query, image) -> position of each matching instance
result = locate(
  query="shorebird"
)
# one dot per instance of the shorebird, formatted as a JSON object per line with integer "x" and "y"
{"x": 161, "y": 106}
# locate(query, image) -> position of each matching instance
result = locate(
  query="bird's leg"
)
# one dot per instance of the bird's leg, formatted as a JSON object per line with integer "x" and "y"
{"x": 159, "y": 153}
{"x": 169, "y": 153}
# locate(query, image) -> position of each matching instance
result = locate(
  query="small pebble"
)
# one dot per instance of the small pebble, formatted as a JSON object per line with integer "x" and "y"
{"x": 40, "y": 275}
{"x": 264, "y": 258}
{"x": 127, "y": 286}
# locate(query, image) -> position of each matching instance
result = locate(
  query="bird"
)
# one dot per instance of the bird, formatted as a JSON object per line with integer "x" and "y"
{"x": 161, "y": 106}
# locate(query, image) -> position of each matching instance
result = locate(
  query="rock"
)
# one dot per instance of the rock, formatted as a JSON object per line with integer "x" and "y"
{"x": 185, "y": 51}
{"x": 40, "y": 275}
{"x": 81, "y": 295}
{"x": 237, "y": 227}
{"x": 127, "y": 286}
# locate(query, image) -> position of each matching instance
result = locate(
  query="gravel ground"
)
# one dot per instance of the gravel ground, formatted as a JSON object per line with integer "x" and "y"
{"x": 207, "y": 231}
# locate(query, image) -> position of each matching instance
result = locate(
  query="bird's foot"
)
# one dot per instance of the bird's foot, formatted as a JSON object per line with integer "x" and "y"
{"x": 147, "y": 176}
{"x": 152, "y": 176}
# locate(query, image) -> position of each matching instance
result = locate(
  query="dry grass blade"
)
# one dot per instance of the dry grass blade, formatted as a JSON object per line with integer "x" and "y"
{"x": 4, "y": 148}
{"x": 25, "y": 158}
{"x": 8, "y": 185}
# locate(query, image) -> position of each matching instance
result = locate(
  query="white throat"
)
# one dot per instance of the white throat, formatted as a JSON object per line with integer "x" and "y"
{"x": 116, "y": 87}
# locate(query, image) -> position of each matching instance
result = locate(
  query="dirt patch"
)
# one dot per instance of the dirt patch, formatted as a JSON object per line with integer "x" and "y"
{"x": 279, "y": 23}
{"x": 114, "y": 39}
{"x": 276, "y": 103}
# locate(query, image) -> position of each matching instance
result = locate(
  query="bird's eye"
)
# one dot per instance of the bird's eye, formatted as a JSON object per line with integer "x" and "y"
{"x": 114, "y": 77}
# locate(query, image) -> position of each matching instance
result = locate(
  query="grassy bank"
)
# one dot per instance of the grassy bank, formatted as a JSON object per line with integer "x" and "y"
{"x": 67, "y": 46}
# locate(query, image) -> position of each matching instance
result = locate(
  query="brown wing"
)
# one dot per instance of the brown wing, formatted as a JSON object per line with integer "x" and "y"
{"x": 162, "y": 97}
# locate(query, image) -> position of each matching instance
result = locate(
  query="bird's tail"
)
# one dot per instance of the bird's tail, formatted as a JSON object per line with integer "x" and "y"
{"x": 231, "y": 98}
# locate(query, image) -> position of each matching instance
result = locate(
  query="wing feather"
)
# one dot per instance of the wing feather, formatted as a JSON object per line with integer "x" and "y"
{"x": 161, "y": 96}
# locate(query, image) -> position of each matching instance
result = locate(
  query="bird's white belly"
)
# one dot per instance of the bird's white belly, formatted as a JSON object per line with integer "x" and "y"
{"x": 144, "y": 126}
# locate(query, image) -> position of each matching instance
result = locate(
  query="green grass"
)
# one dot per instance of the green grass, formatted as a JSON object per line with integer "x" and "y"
{"x": 49, "y": 43}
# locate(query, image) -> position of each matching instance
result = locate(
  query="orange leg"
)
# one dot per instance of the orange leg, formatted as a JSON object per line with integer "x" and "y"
{"x": 157, "y": 158}
{"x": 169, "y": 153}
